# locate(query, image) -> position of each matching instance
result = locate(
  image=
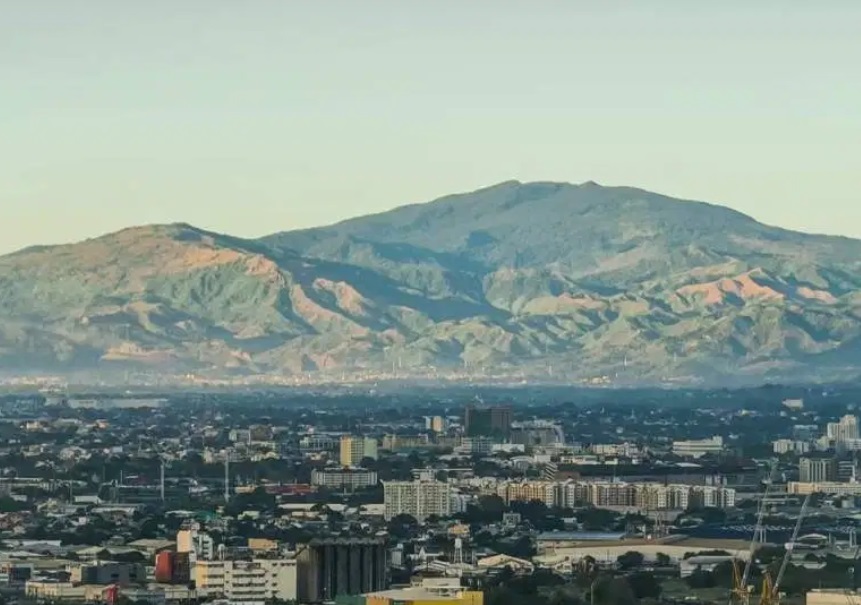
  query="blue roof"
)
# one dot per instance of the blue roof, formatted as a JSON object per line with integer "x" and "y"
{"x": 581, "y": 536}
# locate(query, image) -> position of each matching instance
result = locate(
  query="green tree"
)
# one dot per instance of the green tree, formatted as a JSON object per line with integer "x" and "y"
{"x": 614, "y": 591}
{"x": 644, "y": 585}
{"x": 630, "y": 560}
{"x": 700, "y": 579}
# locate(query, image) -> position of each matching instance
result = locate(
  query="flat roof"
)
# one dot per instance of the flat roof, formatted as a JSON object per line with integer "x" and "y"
{"x": 581, "y": 536}
{"x": 412, "y": 594}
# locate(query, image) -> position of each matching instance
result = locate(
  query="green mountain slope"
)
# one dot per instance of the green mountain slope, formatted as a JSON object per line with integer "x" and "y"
{"x": 589, "y": 280}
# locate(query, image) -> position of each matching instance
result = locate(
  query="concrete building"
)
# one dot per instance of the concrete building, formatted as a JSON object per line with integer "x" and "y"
{"x": 44, "y": 591}
{"x": 344, "y": 478}
{"x": 643, "y": 496}
{"x": 429, "y": 593}
{"x": 537, "y": 433}
{"x": 528, "y": 491}
{"x": 332, "y": 568}
{"x": 790, "y": 446}
{"x": 698, "y": 448}
{"x": 420, "y": 499}
{"x": 843, "y": 430}
{"x": 197, "y": 544}
{"x": 258, "y": 580}
{"x": 107, "y": 572}
{"x": 475, "y": 446}
{"x": 354, "y": 449}
{"x": 436, "y": 424}
{"x": 406, "y": 443}
{"x": 817, "y": 470}
{"x": 831, "y": 488}
{"x": 487, "y": 422}
{"x": 822, "y": 596}
{"x": 317, "y": 443}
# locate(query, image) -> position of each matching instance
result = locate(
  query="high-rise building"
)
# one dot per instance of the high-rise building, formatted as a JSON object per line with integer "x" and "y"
{"x": 487, "y": 422}
{"x": 843, "y": 433}
{"x": 329, "y": 568}
{"x": 354, "y": 449}
{"x": 437, "y": 424}
{"x": 817, "y": 470}
{"x": 419, "y": 499}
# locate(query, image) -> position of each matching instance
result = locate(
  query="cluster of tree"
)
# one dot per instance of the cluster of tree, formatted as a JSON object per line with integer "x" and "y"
{"x": 545, "y": 587}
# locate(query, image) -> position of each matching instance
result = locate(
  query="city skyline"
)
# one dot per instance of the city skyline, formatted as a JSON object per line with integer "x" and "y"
{"x": 270, "y": 117}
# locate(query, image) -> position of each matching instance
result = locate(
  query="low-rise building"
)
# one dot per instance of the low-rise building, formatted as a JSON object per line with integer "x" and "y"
{"x": 344, "y": 478}
{"x": 698, "y": 448}
{"x": 108, "y": 572}
{"x": 243, "y": 581}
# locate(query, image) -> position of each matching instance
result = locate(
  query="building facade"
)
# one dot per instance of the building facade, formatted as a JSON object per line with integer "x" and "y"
{"x": 332, "y": 568}
{"x": 419, "y": 499}
{"x": 698, "y": 448}
{"x": 487, "y": 422}
{"x": 344, "y": 478}
{"x": 257, "y": 580}
{"x": 354, "y": 449}
{"x": 817, "y": 470}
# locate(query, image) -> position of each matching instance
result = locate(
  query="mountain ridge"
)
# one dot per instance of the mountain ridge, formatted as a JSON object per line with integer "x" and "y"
{"x": 595, "y": 281}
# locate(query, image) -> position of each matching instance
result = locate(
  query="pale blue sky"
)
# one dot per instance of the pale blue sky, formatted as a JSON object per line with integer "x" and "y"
{"x": 262, "y": 115}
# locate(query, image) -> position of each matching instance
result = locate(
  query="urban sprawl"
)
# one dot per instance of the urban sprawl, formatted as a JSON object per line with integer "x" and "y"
{"x": 430, "y": 497}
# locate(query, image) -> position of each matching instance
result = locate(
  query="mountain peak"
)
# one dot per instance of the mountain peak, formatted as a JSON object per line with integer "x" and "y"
{"x": 513, "y": 275}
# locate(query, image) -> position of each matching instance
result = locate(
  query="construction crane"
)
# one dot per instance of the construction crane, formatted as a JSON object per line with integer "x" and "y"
{"x": 775, "y": 598}
{"x": 740, "y": 594}
{"x": 768, "y": 594}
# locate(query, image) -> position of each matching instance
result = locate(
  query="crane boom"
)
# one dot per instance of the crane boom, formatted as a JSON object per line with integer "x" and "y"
{"x": 790, "y": 546}
{"x": 740, "y": 580}
{"x": 760, "y": 515}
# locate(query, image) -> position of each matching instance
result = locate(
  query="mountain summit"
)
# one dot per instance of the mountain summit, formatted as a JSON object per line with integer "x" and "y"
{"x": 517, "y": 277}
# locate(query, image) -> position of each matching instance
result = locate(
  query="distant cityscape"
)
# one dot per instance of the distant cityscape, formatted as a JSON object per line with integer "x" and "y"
{"x": 361, "y": 497}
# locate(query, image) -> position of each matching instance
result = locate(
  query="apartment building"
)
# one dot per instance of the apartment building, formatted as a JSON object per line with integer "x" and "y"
{"x": 257, "y": 580}
{"x": 644, "y": 496}
{"x": 354, "y": 449}
{"x": 420, "y": 499}
{"x": 543, "y": 491}
{"x": 344, "y": 478}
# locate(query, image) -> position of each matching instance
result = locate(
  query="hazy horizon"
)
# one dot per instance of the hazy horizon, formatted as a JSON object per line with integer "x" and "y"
{"x": 259, "y": 117}
{"x": 346, "y": 218}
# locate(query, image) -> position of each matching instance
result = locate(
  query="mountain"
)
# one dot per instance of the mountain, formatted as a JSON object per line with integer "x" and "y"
{"x": 581, "y": 280}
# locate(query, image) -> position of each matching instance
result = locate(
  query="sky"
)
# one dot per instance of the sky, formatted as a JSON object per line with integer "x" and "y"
{"x": 265, "y": 115}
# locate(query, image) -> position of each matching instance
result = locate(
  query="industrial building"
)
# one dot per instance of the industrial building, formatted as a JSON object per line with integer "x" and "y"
{"x": 329, "y": 568}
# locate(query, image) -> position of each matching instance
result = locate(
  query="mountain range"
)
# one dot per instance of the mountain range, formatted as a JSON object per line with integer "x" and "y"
{"x": 527, "y": 279}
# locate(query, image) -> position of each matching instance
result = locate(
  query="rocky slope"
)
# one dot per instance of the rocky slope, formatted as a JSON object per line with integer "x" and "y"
{"x": 587, "y": 279}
